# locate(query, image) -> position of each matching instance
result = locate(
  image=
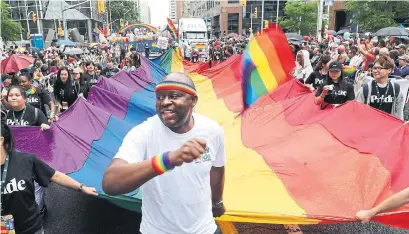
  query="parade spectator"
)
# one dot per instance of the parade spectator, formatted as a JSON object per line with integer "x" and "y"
{"x": 381, "y": 93}
{"x": 303, "y": 67}
{"x": 110, "y": 70}
{"x": 37, "y": 96}
{"x": 403, "y": 61}
{"x": 320, "y": 74}
{"x": 195, "y": 178}
{"x": 129, "y": 66}
{"x": 90, "y": 76}
{"x": 335, "y": 90}
{"x": 19, "y": 169}
{"x": 66, "y": 91}
{"x": 80, "y": 82}
{"x": 21, "y": 113}
{"x": 402, "y": 48}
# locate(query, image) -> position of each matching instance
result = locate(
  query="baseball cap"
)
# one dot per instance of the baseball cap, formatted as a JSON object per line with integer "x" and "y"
{"x": 403, "y": 46}
{"x": 76, "y": 70}
{"x": 404, "y": 57}
{"x": 335, "y": 66}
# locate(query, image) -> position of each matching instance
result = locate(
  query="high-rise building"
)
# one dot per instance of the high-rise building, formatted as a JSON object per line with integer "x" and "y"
{"x": 144, "y": 11}
{"x": 172, "y": 10}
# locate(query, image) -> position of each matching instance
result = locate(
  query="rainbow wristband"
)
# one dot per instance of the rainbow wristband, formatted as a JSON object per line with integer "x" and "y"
{"x": 161, "y": 163}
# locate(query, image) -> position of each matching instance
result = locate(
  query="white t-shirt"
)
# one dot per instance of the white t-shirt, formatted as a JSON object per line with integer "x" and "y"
{"x": 178, "y": 201}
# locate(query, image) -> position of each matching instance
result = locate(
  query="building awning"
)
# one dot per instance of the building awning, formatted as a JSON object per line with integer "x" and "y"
{"x": 54, "y": 12}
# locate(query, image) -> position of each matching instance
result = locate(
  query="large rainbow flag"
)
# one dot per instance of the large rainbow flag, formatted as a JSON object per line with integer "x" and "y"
{"x": 288, "y": 162}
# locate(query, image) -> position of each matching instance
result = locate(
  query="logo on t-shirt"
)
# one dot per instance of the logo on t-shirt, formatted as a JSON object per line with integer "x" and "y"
{"x": 205, "y": 156}
{"x": 14, "y": 186}
{"x": 16, "y": 122}
{"x": 33, "y": 100}
{"x": 318, "y": 81}
{"x": 382, "y": 99}
{"x": 340, "y": 93}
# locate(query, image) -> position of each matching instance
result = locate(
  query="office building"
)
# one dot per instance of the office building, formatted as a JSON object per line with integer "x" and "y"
{"x": 145, "y": 12}
{"x": 172, "y": 10}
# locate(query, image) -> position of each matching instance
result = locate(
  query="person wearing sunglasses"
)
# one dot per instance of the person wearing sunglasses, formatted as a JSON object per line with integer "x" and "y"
{"x": 381, "y": 93}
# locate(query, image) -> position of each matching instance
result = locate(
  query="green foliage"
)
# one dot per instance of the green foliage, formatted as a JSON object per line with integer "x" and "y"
{"x": 127, "y": 10}
{"x": 300, "y": 16}
{"x": 374, "y": 15}
{"x": 10, "y": 30}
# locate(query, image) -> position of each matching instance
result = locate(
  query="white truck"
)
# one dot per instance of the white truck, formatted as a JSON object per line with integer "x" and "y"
{"x": 193, "y": 37}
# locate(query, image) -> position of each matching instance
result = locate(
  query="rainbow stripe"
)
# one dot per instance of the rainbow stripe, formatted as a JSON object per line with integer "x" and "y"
{"x": 200, "y": 46}
{"x": 172, "y": 29}
{"x": 174, "y": 85}
{"x": 160, "y": 163}
{"x": 349, "y": 70}
{"x": 267, "y": 63}
{"x": 148, "y": 26}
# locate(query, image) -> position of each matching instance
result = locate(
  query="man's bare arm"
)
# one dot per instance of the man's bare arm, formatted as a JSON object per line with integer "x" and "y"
{"x": 122, "y": 177}
{"x": 217, "y": 183}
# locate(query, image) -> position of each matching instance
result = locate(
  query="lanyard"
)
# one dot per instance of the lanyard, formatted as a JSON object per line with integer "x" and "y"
{"x": 21, "y": 117}
{"x": 3, "y": 179}
{"x": 378, "y": 94}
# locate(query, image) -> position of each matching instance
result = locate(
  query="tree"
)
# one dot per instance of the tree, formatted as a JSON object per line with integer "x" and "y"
{"x": 10, "y": 30}
{"x": 300, "y": 16}
{"x": 371, "y": 16}
{"x": 127, "y": 10}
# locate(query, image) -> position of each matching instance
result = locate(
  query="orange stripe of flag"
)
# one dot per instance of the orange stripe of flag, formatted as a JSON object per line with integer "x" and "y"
{"x": 273, "y": 60}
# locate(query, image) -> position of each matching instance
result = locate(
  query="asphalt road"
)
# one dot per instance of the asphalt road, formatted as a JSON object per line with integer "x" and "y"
{"x": 70, "y": 212}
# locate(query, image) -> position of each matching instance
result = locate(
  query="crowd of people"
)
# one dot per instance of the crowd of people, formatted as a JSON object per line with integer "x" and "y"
{"x": 368, "y": 72}
{"x": 337, "y": 72}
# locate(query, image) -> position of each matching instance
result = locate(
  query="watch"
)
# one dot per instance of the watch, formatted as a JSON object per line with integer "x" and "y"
{"x": 218, "y": 204}
{"x": 81, "y": 185}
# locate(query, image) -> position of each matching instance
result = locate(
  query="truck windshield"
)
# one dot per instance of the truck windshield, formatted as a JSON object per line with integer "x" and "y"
{"x": 195, "y": 35}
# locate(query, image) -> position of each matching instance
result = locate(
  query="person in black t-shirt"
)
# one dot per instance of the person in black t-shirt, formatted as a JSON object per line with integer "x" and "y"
{"x": 36, "y": 96}
{"x": 66, "y": 91}
{"x": 335, "y": 90}
{"x": 89, "y": 76}
{"x": 382, "y": 94}
{"x": 21, "y": 113}
{"x": 320, "y": 74}
{"x": 110, "y": 70}
{"x": 20, "y": 171}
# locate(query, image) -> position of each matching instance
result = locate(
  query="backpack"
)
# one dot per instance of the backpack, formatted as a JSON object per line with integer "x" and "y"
{"x": 395, "y": 90}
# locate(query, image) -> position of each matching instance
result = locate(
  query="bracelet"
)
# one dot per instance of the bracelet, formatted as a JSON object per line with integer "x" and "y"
{"x": 218, "y": 204}
{"x": 161, "y": 163}
{"x": 81, "y": 185}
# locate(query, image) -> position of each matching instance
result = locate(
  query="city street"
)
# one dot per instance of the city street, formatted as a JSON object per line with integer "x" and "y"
{"x": 72, "y": 212}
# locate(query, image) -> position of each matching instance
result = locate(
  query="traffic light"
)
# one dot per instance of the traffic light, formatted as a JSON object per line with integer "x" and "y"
{"x": 34, "y": 17}
{"x": 60, "y": 33}
{"x": 121, "y": 22}
{"x": 265, "y": 23}
{"x": 28, "y": 36}
{"x": 255, "y": 12}
{"x": 243, "y": 2}
{"x": 101, "y": 6}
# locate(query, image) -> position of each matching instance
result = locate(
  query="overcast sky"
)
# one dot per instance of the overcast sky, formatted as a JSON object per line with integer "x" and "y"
{"x": 159, "y": 11}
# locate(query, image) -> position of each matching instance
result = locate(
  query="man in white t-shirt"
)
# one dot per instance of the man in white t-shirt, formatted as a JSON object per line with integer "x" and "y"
{"x": 177, "y": 160}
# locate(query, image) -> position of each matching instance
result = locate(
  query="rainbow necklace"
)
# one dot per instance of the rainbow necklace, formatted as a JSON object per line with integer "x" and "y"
{"x": 31, "y": 91}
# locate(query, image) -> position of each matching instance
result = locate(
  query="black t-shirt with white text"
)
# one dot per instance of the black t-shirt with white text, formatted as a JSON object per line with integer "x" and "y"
{"x": 382, "y": 101}
{"x": 39, "y": 98}
{"x": 28, "y": 119}
{"x": 341, "y": 93}
{"x": 18, "y": 197}
{"x": 316, "y": 79}
{"x": 109, "y": 72}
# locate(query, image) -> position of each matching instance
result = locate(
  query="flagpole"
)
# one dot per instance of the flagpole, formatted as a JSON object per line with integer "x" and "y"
{"x": 278, "y": 10}
{"x": 262, "y": 15}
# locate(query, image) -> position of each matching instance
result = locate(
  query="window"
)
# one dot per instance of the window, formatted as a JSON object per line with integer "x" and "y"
{"x": 195, "y": 35}
{"x": 233, "y": 23}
